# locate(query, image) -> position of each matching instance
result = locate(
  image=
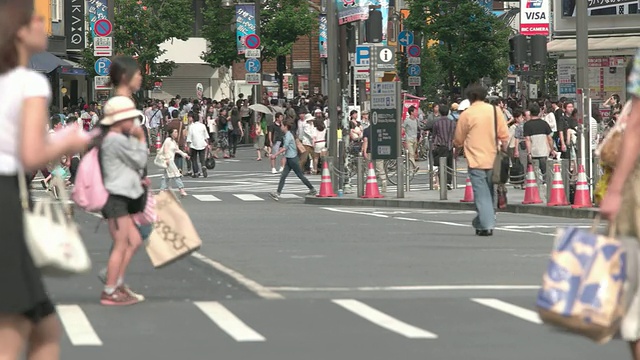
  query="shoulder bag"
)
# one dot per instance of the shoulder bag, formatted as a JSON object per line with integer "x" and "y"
{"x": 501, "y": 162}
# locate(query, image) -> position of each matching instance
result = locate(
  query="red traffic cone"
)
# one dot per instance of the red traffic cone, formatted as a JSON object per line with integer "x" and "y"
{"x": 158, "y": 143}
{"x": 531, "y": 192}
{"x": 558, "y": 195}
{"x": 468, "y": 192}
{"x": 326, "y": 188}
{"x": 371, "y": 190}
{"x": 582, "y": 198}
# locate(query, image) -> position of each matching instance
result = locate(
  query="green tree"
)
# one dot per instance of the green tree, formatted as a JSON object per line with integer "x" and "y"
{"x": 282, "y": 23}
{"x": 469, "y": 43}
{"x": 140, "y": 27}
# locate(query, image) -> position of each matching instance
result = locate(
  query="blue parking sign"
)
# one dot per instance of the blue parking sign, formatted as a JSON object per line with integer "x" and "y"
{"x": 252, "y": 65}
{"x": 363, "y": 55}
{"x": 414, "y": 70}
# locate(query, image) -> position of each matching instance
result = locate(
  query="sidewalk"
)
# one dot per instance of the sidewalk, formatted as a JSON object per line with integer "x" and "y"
{"x": 430, "y": 199}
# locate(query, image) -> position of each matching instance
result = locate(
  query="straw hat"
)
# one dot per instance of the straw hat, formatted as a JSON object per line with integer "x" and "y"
{"x": 119, "y": 108}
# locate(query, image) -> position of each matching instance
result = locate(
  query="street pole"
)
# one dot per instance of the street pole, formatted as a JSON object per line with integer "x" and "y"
{"x": 582, "y": 50}
{"x": 333, "y": 89}
{"x": 258, "y": 88}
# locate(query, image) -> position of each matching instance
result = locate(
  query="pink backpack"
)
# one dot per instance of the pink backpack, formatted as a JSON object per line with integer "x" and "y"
{"x": 89, "y": 192}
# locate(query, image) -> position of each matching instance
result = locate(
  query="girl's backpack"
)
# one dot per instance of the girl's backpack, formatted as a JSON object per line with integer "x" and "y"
{"x": 89, "y": 192}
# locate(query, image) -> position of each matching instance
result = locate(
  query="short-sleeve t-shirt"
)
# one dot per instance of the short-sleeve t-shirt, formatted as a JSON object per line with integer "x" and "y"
{"x": 16, "y": 86}
{"x": 366, "y": 134}
{"x": 538, "y": 130}
{"x": 634, "y": 78}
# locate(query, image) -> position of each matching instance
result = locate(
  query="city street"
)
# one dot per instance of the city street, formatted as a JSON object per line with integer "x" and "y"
{"x": 288, "y": 281}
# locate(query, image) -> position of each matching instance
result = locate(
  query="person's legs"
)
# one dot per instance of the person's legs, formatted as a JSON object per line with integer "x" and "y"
{"x": 44, "y": 342}
{"x": 14, "y": 332}
{"x": 283, "y": 177}
{"x": 194, "y": 161}
{"x": 293, "y": 164}
{"x": 484, "y": 199}
{"x": 133, "y": 243}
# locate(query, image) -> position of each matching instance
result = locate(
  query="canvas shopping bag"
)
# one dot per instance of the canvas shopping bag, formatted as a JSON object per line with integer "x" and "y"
{"x": 174, "y": 235}
{"x": 583, "y": 288}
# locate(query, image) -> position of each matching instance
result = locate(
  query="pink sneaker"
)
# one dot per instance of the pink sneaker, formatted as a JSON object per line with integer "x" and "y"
{"x": 118, "y": 298}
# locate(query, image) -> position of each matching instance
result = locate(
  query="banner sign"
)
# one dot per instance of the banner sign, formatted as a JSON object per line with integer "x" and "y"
{"x": 352, "y": 10}
{"x": 603, "y": 7}
{"x": 534, "y": 17}
{"x": 487, "y": 4}
{"x": 245, "y": 24}
{"x": 98, "y": 10}
{"x": 322, "y": 36}
{"x": 74, "y": 20}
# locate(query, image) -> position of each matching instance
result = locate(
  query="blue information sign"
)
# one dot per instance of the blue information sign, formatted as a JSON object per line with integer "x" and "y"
{"x": 252, "y": 65}
{"x": 102, "y": 67}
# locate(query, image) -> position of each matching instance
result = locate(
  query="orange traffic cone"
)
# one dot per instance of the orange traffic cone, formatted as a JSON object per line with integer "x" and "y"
{"x": 582, "y": 197}
{"x": 158, "y": 143}
{"x": 531, "y": 192}
{"x": 468, "y": 192}
{"x": 326, "y": 188}
{"x": 558, "y": 195}
{"x": 371, "y": 190}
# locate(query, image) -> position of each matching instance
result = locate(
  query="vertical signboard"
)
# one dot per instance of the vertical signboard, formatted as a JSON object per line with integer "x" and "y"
{"x": 98, "y": 10}
{"x": 245, "y": 24}
{"x": 534, "y": 17}
{"x": 74, "y": 20}
{"x": 322, "y": 36}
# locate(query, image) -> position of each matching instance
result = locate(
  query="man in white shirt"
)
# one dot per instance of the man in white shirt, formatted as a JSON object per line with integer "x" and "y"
{"x": 198, "y": 142}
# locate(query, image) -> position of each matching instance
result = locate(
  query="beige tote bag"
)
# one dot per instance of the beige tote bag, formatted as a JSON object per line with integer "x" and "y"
{"x": 174, "y": 235}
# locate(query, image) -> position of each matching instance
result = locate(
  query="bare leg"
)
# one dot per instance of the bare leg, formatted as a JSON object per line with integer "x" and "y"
{"x": 119, "y": 229}
{"x": 134, "y": 242}
{"x": 14, "y": 331}
{"x": 44, "y": 342}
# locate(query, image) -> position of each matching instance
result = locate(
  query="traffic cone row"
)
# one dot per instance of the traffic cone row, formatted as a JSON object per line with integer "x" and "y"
{"x": 371, "y": 190}
{"x": 558, "y": 196}
{"x": 326, "y": 188}
{"x": 158, "y": 142}
{"x": 582, "y": 197}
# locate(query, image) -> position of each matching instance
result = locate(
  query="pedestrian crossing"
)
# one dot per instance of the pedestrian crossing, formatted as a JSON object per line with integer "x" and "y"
{"x": 243, "y": 197}
{"x": 84, "y": 324}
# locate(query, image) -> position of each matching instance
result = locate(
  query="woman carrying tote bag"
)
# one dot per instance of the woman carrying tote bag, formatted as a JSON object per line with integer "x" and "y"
{"x": 27, "y": 315}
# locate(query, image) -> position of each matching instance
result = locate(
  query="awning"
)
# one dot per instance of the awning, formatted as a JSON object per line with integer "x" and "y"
{"x": 602, "y": 43}
{"x": 46, "y": 62}
{"x": 72, "y": 68}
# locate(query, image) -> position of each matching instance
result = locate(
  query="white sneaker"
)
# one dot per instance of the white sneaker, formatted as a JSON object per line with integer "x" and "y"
{"x": 273, "y": 171}
{"x": 280, "y": 170}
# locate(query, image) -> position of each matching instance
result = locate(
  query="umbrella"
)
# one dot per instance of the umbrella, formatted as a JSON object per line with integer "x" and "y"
{"x": 261, "y": 109}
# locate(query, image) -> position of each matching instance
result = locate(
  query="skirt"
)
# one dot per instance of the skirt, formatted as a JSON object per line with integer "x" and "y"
{"x": 23, "y": 291}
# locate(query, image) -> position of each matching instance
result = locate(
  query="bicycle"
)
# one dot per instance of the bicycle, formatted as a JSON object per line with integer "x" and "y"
{"x": 391, "y": 169}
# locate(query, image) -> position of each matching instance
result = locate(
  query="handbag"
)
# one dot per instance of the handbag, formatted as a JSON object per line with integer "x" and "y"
{"x": 52, "y": 238}
{"x": 501, "y": 162}
{"x": 173, "y": 236}
{"x": 210, "y": 162}
{"x": 583, "y": 288}
{"x": 160, "y": 159}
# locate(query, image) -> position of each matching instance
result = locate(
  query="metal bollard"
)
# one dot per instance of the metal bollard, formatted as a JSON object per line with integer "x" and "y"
{"x": 341, "y": 165}
{"x": 549, "y": 178}
{"x": 442, "y": 165}
{"x": 360, "y": 177}
{"x": 407, "y": 172}
{"x": 455, "y": 171}
{"x": 401, "y": 177}
{"x": 430, "y": 169}
{"x": 566, "y": 176}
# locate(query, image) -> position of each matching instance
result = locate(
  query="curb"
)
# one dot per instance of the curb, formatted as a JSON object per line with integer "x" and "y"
{"x": 556, "y": 211}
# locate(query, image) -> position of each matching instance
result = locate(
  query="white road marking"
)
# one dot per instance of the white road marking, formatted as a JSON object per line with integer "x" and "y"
{"x": 405, "y": 288}
{"x": 228, "y": 322}
{"x": 385, "y": 321}
{"x": 355, "y": 212}
{"x": 248, "y": 197}
{"x": 77, "y": 326}
{"x": 505, "y": 307}
{"x": 289, "y": 196}
{"x": 405, "y": 218}
{"x": 206, "y": 197}
{"x": 245, "y": 281}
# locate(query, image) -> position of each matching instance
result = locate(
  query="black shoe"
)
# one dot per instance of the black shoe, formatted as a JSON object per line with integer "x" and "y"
{"x": 484, "y": 232}
{"x": 204, "y": 172}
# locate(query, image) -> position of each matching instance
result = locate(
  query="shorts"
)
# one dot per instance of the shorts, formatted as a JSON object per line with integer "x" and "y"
{"x": 276, "y": 147}
{"x": 118, "y": 206}
{"x": 40, "y": 311}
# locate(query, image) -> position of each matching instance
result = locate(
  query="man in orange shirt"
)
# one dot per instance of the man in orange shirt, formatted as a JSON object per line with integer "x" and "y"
{"x": 475, "y": 131}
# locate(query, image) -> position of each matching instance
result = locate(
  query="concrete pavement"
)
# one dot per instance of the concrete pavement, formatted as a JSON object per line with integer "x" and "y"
{"x": 288, "y": 281}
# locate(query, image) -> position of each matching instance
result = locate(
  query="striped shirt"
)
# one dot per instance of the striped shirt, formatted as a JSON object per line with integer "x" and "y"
{"x": 443, "y": 131}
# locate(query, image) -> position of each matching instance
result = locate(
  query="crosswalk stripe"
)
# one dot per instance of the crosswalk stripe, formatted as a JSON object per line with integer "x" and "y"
{"x": 289, "y": 196}
{"x": 206, "y": 198}
{"x": 248, "y": 197}
{"x": 383, "y": 320}
{"x": 77, "y": 326}
{"x": 228, "y": 322}
{"x": 513, "y": 310}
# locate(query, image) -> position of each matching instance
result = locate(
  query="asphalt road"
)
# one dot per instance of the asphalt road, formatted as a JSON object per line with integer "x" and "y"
{"x": 288, "y": 281}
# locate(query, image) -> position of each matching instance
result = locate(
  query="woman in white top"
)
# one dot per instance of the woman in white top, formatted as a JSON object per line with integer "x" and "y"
{"x": 170, "y": 148}
{"x": 27, "y": 315}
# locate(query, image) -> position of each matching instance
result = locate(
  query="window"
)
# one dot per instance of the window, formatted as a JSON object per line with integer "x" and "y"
{"x": 56, "y": 10}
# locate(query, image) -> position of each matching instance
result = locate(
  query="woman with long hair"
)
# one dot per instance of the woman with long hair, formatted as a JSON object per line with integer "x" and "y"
{"x": 27, "y": 315}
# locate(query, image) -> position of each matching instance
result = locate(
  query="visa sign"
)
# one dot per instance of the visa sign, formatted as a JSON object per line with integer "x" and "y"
{"x": 534, "y": 17}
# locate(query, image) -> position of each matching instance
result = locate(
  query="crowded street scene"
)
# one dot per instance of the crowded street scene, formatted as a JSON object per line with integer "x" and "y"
{"x": 319, "y": 180}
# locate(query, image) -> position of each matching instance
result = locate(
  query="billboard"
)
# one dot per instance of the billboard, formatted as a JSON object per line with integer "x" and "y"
{"x": 534, "y": 17}
{"x": 602, "y": 7}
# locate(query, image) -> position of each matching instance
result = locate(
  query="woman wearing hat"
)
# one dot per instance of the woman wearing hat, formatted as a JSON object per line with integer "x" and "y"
{"x": 123, "y": 158}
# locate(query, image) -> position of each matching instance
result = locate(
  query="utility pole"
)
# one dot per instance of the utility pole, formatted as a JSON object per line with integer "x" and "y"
{"x": 582, "y": 51}
{"x": 333, "y": 89}
{"x": 258, "y": 94}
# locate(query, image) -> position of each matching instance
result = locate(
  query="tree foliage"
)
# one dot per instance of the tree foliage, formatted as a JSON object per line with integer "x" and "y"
{"x": 140, "y": 27}
{"x": 469, "y": 43}
{"x": 282, "y": 22}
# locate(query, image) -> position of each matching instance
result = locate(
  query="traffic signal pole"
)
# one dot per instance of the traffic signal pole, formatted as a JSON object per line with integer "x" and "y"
{"x": 333, "y": 90}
